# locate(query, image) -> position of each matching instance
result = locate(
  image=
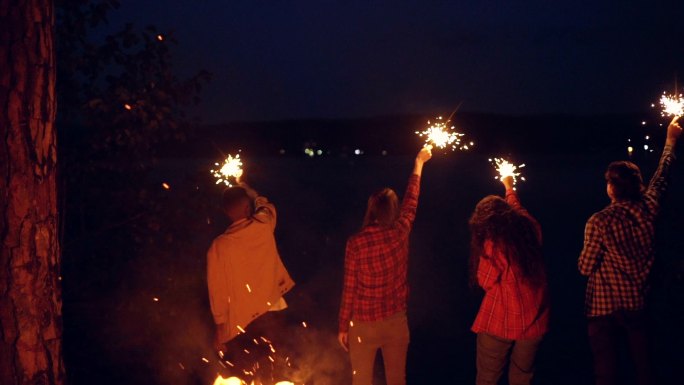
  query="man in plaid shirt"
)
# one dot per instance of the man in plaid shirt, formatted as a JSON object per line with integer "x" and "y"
{"x": 373, "y": 308}
{"x": 617, "y": 257}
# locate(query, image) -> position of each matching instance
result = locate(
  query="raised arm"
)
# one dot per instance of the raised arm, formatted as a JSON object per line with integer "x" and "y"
{"x": 409, "y": 204}
{"x": 658, "y": 182}
{"x": 513, "y": 200}
{"x": 264, "y": 211}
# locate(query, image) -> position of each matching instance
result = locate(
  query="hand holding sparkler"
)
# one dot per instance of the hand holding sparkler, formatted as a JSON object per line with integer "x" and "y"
{"x": 674, "y": 130}
{"x": 423, "y": 156}
{"x": 507, "y": 182}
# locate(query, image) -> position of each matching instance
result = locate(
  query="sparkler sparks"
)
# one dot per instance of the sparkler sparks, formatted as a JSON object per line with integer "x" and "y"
{"x": 673, "y": 105}
{"x": 230, "y": 170}
{"x": 506, "y": 168}
{"x": 440, "y": 135}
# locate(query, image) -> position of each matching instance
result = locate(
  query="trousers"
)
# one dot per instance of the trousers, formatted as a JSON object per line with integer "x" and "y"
{"x": 604, "y": 336}
{"x": 391, "y": 337}
{"x": 493, "y": 353}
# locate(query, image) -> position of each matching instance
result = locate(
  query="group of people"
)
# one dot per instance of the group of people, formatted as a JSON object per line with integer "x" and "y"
{"x": 247, "y": 279}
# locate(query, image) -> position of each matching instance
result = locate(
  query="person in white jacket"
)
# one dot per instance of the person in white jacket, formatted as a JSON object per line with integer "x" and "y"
{"x": 245, "y": 275}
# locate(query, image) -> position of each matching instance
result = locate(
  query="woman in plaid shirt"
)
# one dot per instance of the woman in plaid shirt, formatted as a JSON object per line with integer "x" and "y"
{"x": 373, "y": 308}
{"x": 506, "y": 261}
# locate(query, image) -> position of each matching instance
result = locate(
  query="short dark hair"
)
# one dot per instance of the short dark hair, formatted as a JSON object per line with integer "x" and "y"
{"x": 234, "y": 195}
{"x": 625, "y": 178}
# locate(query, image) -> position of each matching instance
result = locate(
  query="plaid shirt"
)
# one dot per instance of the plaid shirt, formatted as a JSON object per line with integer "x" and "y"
{"x": 619, "y": 248}
{"x": 375, "y": 266}
{"x": 511, "y": 308}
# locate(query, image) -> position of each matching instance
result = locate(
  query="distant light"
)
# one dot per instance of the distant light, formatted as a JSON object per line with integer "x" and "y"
{"x": 155, "y": 299}
{"x": 166, "y": 186}
{"x": 645, "y": 146}
{"x": 643, "y": 123}
{"x": 309, "y": 152}
{"x": 282, "y": 151}
{"x": 128, "y": 106}
{"x": 630, "y": 149}
{"x": 384, "y": 152}
{"x": 358, "y": 152}
{"x": 160, "y": 37}
{"x": 319, "y": 152}
{"x": 647, "y": 137}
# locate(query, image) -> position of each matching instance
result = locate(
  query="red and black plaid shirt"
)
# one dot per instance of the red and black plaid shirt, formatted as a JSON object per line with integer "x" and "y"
{"x": 619, "y": 248}
{"x": 511, "y": 308}
{"x": 375, "y": 266}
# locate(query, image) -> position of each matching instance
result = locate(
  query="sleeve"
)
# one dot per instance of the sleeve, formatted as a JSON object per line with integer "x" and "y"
{"x": 219, "y": 295}
{"x": 659, "y": 181}
{"x": 407, "y": 212}
{"x": 265, "y": 211}
{"x": 349, "y": 288}
{"x": 488, "y": 274}
{"x": 592, "y": 253}
{"x": 513, "y": 200}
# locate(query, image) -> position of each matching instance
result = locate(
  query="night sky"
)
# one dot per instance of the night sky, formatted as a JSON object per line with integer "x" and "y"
{"x": 335, "y": 59}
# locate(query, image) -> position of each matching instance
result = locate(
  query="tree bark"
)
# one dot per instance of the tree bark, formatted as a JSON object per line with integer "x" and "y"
{"x": 30, "y": 293}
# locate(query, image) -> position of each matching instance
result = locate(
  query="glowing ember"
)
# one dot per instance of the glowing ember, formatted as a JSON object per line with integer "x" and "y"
{"x": 440, "y": 135}
{"x": 166, "y": 186}
{"x": 228, "y": 381}
{"x": 506, "y": 168}
{"x": 231, "y": 169}
{"x": 240, "y": 329}
{"x": 249, "y": 289}
{"x": 304, "y": 323}
{"x": 673, "y": 105}
{"x": 285, "y": 383}
{"x": 128, "y": 106}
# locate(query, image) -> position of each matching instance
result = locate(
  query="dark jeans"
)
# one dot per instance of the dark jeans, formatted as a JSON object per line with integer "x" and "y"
{"x": 604, "y": 336}
{"x": 250, "y": 355}
{"x": 492, "y": 355}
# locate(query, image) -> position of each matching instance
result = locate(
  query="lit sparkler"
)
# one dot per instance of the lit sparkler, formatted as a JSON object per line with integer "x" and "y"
{"x": 506, "y": 168}
{"x": 440, "y": 135}
{"x": 673, "y": 105}
{"x": 230, "y": 170}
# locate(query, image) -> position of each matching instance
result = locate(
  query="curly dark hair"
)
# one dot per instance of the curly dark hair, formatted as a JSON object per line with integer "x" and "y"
{"x": 512, "y": 233}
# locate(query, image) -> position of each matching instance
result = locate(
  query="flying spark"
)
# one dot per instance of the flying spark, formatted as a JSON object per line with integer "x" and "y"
{"x": 440, "y": 135}
{"x": 231, "y": 169}
{"x": 506, "y": 168}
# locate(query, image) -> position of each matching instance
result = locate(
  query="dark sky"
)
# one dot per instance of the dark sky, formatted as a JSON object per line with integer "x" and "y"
{"x": 333, "y": 59}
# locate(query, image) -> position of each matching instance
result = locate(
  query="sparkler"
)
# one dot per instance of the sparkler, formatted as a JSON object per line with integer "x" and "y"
{"x": 506, "y": 168}
{"x": 231, "y": 169}
{"x": 673, "y": 105}
{"x": 440, "y": 135}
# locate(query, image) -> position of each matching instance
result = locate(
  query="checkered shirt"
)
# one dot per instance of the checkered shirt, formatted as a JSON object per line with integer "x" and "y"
{"x": 511, "y": 308}
{"x": 619, "y": 248}
{"x": 376, "y": 264}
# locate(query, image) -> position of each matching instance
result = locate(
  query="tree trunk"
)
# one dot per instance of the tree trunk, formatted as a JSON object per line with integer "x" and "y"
{"x": 30, "y": 295}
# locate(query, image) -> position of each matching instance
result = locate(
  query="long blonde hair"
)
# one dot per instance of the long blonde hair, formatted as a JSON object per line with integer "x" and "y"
{"x": 383, "y": 208}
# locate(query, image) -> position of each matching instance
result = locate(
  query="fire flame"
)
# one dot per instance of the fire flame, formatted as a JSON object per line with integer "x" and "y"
{"x": 228, "y": 381}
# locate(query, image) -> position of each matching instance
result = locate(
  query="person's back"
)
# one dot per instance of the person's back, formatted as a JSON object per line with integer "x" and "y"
{"x": 617, "y": 257}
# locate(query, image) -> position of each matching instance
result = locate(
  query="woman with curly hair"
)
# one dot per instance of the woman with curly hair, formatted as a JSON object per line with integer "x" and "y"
{"x": 506, "y": 261}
